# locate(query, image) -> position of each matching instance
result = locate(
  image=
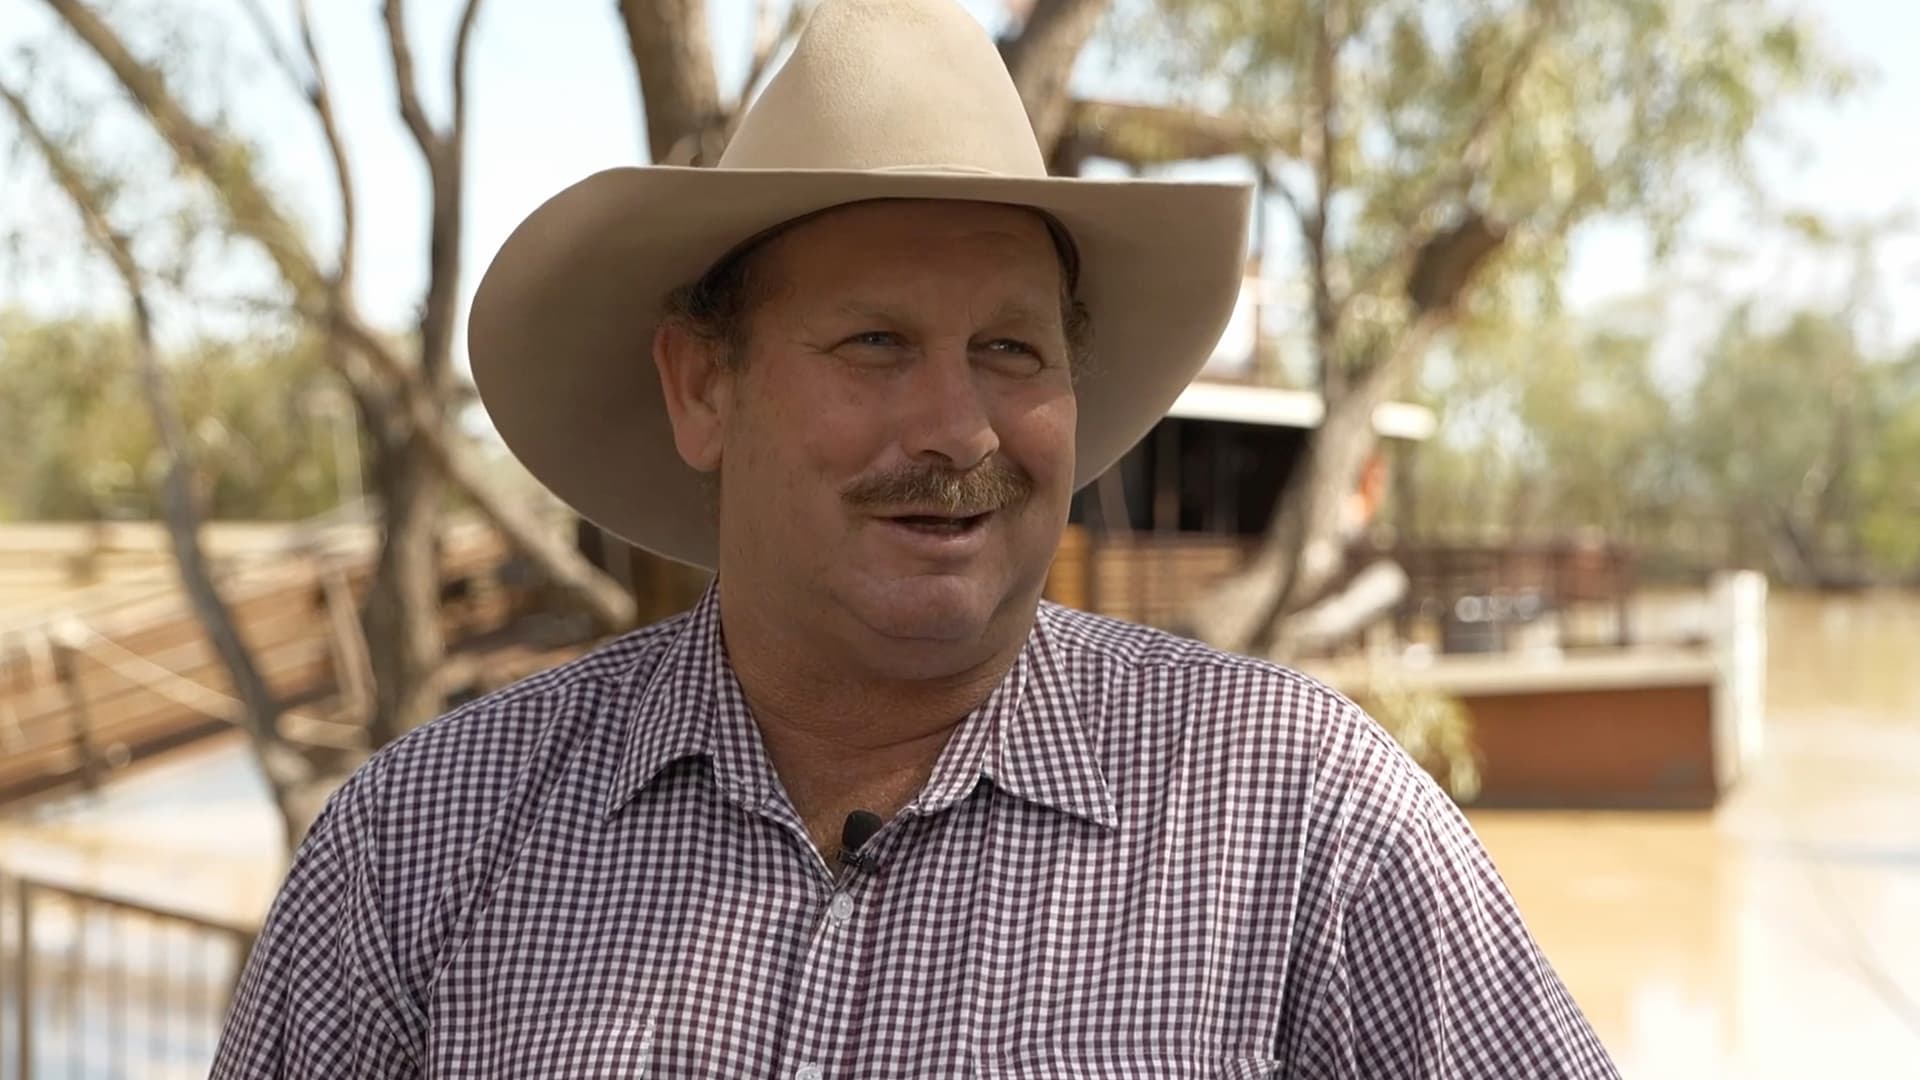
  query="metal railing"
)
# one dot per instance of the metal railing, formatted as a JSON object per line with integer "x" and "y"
{"x": 105, "y": 986}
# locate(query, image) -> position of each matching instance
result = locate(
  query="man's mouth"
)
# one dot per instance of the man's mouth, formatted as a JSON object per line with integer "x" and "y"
{"x": 941, "y": 524}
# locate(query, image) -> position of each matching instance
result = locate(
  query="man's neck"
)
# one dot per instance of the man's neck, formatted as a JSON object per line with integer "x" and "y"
{"x": 839, "y": 737}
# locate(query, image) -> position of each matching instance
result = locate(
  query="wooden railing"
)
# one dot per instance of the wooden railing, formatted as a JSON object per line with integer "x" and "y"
{"x": 86, "y": 691}
{"x": 100, "y": 985}
{"x": 1475, "y": 594}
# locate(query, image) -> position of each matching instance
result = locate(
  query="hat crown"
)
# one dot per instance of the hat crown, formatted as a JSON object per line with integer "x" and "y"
{"x": 890, "y": 84}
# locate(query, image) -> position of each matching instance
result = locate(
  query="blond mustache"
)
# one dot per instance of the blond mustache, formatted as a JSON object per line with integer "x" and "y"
{"x": 992, "y": 485}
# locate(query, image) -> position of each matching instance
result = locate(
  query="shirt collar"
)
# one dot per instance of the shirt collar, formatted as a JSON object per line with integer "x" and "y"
{"x": 1027, "y": 738}
{"x": 691, "y": 705}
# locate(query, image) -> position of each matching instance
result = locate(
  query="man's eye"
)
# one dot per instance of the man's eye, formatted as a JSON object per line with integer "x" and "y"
{"x": 1015, "y": 356}
{"x": 878, "y": 339}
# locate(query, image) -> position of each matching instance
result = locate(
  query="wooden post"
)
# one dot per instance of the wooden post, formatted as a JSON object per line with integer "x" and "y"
{"x": 243, "y": 951}
{"x": 22, "y": 976}
{"x": 1067, "y": 576}
{"x": 352, "y": 666}
{"x": 1149, "y": 568}
{"x": 77, "y": 716}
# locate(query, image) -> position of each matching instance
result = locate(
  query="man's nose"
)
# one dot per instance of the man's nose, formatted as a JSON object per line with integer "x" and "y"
{"x": 946, "y": 417}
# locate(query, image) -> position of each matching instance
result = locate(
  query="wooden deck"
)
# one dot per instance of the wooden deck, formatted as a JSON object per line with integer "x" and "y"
{"x": 119, "y": 676}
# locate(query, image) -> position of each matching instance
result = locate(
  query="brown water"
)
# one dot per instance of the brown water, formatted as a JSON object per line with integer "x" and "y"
{"x": 1779, "y": 935}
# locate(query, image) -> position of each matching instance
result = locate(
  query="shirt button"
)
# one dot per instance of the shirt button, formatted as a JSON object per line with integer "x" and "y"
{"x": 840, "y": 910}
{"x": 809, "y": 1071}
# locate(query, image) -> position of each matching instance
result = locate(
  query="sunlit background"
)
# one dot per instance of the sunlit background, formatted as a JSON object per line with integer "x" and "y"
{"x": 1570, "y": 420}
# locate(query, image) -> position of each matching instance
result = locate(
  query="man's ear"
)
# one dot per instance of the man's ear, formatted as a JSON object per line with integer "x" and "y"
{"x": 698, "y": 389}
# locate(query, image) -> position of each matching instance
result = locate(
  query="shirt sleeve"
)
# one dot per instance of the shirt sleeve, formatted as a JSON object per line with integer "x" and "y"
{"x": 318, "y": 998}
{"x": 1437, "y": 977}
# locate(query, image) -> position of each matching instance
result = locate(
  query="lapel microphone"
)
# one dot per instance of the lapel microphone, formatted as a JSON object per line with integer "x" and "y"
{"x": 860, "y": 827}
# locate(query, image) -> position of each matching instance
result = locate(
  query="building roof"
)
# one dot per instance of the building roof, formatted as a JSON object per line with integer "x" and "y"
{"x": 1275, "y": 407}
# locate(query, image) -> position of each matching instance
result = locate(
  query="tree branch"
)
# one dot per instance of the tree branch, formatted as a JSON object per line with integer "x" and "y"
{"x": 768, "y": 40}
{"x": 1447, "y": 263}
{"x": 1474, "y": 149}
{"x": 222, "y": 161}
{"x": 407, "y": 87}
{"x": 262, "y": 25}
{"x": 1324, "y": 158}
{"x": 468, "y": 16}
{"x": 445, "y": 154}
{"x": 1040, "y": 59}
{"x": 312, "y": 86}
{"x": 1142, "y": 135}
{"x": 609, "y": 605}
{"x": 371, "y": 367}
{"x": 80, "y": 193}
{"x": 319, "y": 95}
{"x": 1272, "y": 182}
{"x": 261, "y": 710}
{"x": 1305, "y": 543}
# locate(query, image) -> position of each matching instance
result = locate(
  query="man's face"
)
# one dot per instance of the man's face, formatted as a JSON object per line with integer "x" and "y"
{"x": 896, "y": 448}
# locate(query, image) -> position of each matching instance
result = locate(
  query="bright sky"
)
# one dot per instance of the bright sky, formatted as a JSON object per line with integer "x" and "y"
{"x": 554, "y": 98}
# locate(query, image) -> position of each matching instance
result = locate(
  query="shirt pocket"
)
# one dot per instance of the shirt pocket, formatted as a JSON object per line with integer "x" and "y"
{"x": 565, "y": 1047}
{"x": 1081, "y": 1065}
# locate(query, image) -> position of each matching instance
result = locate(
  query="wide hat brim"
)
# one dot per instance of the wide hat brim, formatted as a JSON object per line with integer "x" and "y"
{"x": 561, "y": 331}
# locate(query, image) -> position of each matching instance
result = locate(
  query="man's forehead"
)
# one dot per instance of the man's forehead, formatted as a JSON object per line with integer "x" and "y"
{"x": 861, "y": 258}
{"x": 997, "y": 304}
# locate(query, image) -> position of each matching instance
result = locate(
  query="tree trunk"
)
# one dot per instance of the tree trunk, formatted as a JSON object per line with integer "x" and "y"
{"x": 1041, "y": 60}
{"x": 1303, "y": 548}
{"x": 1314, "y": 541}
{"x": 405, "y": 646}
{"x": 284, "y": 770}
{"x": 673, "y": 57}
{"x": 253, "y": 212}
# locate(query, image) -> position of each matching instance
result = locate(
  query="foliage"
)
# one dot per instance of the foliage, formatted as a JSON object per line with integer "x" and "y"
{"x": 258, "y": 412}
{"x": 1556, "y": 428}
{"x": 1538, "y": 114}
{"x": 1803, "y": 444}
{"x": 1888, "y": 481}
{"x": 1792, "y": 452}
{"x": 1435, "y": 157}
{"x": 1434, "y": 729}
{"x": 1563, "y": 108}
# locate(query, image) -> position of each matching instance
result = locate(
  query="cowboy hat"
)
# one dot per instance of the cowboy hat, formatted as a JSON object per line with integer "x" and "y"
{"x": 881, "y": 99}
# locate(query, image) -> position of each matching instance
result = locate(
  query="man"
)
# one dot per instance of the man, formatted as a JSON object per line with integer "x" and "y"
{"x": 885, "y": 351}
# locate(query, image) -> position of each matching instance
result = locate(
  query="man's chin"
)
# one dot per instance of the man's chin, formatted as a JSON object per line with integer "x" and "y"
{"x": 930, "y": 610}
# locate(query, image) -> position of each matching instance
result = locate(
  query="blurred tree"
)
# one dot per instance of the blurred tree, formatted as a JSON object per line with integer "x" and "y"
{"x": 688, "y": 121}
{"x": 405, "y": 391}
{"x": 299, "y": 782}
{"x": 1803, "y": 446}
{"x": 1888, "y": 478}
{"x": 1434, "y": 158}
{"x": 255, "y": 413}
{"x": 1558, "y": 427}
{"x": 1793, "y": 452}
